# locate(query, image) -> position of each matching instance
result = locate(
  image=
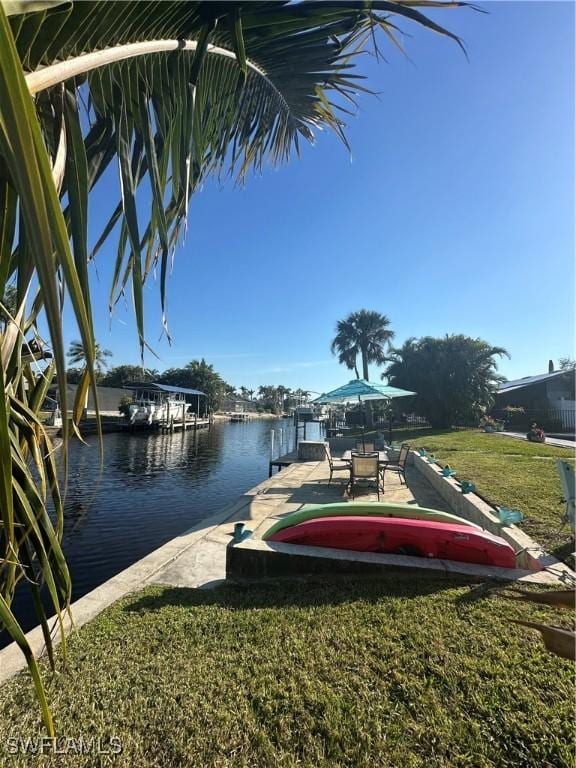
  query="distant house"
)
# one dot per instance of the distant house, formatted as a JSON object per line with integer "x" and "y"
{"x": 549, "y": 397}
{"x": 108, "y": 397}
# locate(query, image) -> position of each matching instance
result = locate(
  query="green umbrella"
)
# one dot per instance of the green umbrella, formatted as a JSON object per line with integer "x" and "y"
{"x": 360, "y": 390}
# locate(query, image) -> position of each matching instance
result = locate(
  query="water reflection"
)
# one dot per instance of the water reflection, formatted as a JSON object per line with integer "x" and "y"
{"x": 151, "y": 488}
{"x": 144, "y": 457}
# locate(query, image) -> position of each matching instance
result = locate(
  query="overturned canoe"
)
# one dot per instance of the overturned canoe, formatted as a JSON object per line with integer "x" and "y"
{"x": 399, "y": 536}
{"x": 376, "y": 509}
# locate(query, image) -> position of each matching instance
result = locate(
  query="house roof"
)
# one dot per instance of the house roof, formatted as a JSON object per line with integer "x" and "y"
{"x": 153, "y": 387}
{"x": 527, "y": 381}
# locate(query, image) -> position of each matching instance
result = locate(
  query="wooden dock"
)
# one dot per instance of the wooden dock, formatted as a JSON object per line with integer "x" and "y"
{"x": 120, "y": 425}
{"x": 174, "y": 425}
{"x": 239, "y": 417}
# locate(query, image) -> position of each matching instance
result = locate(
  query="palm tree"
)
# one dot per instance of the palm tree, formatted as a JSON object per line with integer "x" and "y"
{"x": 171, "y": 95}
{"x": 301, "y": 396}
{"x": 363, "y": 333}
{"x": 283, "y": 394}
{"x": 77, "y": 356}
{"x": 455, "y": 377}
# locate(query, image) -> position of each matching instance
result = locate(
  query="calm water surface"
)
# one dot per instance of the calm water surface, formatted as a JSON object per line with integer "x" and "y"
{"x": 152, "y": 488}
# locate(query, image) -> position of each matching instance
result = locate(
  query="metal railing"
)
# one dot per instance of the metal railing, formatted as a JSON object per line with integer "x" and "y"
{"x": 285, "y": 439}
{"x": 550, "y": 419}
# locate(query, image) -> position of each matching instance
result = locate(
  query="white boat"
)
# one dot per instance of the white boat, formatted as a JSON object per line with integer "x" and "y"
{"x": 158, "y": 404}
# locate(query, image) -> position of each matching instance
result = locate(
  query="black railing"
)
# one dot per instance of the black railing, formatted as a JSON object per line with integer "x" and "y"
{"x": 409, "y": 421}
{"x": 562, "y": 420}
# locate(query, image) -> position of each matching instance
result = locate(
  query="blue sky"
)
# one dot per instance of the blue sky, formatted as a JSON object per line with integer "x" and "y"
{"x": 454, "y": 214}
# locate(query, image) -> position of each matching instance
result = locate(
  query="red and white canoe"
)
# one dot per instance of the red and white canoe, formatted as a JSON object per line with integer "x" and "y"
{"x": 420, "y": 538}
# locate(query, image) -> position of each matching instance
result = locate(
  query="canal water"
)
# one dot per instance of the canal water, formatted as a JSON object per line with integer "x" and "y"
{"x": 151, "y": 488}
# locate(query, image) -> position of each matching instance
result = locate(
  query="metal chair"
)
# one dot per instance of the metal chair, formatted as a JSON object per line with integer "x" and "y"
{"x": 365, "y": 447}
{"x": 568, "y": 482}
{"x": 399, "y": 464}
{"x": 364, "y": 467}
{"x": 334, "y": 466}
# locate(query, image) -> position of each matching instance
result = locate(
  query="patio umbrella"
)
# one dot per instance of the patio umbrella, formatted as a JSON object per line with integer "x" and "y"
{"x": 360, "y": 390}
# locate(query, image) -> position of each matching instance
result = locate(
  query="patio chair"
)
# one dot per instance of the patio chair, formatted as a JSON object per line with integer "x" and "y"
{"x": 398, "y": 465}
{"x": 335, "y": 466}
{"x": 568, "y": 482}
{"x": 364, "y": 468}
{"x": 364, "y": 447}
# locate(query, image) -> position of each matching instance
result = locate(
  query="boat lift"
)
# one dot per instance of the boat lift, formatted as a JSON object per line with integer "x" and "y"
{"x": 165, "y": 407}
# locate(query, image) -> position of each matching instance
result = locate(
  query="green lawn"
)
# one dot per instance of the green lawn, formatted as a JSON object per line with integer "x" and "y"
{"x": 509, "y": 473}
{"x": 377, "y": 672}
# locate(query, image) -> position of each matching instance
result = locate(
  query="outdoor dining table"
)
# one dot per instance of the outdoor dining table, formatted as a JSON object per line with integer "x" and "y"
{"x": 382, "y": 457}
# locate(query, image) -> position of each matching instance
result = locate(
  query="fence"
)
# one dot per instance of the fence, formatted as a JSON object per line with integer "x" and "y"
{"x": 410, "y": 421}
{"x": 550, "y": 419}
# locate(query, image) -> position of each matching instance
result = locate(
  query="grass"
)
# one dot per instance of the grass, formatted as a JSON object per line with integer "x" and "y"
{"x": 389, "y": 673}
{"x": 508, "y": 473}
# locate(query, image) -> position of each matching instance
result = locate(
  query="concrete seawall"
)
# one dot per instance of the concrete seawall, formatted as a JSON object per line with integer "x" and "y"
{"x": 530, "y": 554}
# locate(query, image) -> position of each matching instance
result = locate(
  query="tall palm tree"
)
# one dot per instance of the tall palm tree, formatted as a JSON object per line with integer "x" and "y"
{"x": 170, "y": 92}
{"x": 363, "y": 333}
{"x": 77, "y": 356}
{"x": 302, "y": 396}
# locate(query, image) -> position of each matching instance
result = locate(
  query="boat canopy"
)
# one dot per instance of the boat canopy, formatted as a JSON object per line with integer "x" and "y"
{"x": 149, "y": 386}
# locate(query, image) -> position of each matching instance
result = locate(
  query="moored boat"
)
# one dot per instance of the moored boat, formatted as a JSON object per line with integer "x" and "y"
{"x": 156, "y": 404}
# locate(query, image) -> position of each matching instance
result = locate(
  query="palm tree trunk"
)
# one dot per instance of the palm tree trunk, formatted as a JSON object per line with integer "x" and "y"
{"x": 368, "y": 415}
{"x": 365, "y": 365}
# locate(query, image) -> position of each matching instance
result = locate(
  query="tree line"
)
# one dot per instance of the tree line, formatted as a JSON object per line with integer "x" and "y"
{"x": 455, "y": 376}
{"x": 197, "y": 374}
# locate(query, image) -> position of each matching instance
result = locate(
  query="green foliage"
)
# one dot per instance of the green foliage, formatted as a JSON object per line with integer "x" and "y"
{"x": 415, "y": 672}
{"x": 124, "y": 405}
{"x": 198, "y": 374}
{"x": 77, "y": 356}
{"x": 455, "y": 377}
{"x": 494, "y": 424}
{"x": 363, "y": 333}
{"x": 512, "y": 410}
{"x": 120, "y": 375}
{"x": 274, "y": 398}
{"x": 75, "y": 375}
